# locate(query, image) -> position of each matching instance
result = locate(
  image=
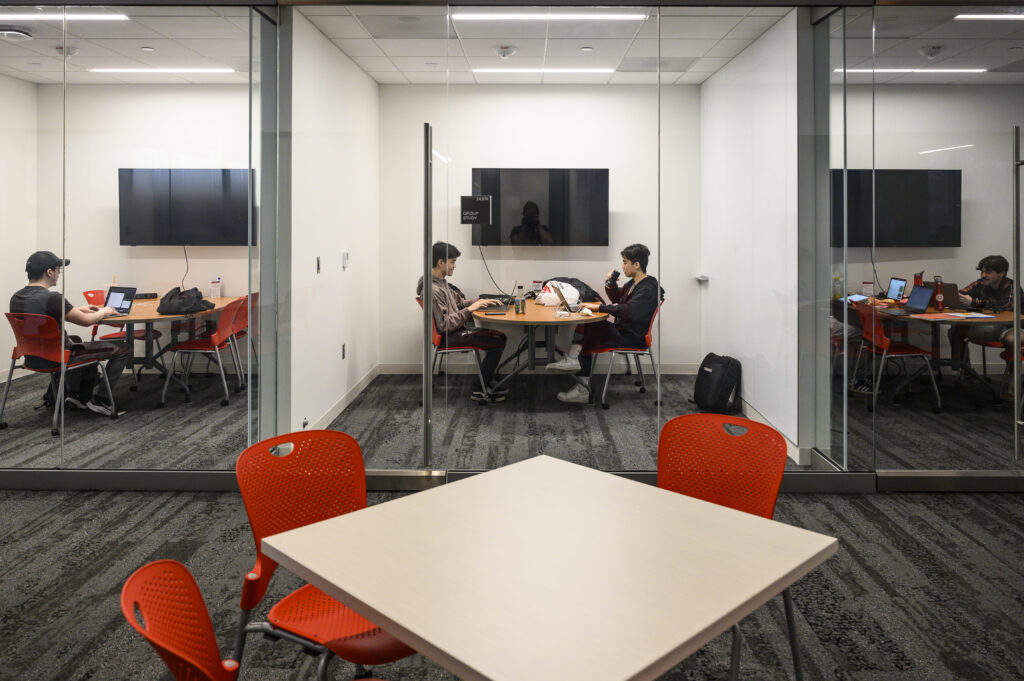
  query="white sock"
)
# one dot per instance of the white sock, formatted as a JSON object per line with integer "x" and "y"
{"x": 574, "y": 350}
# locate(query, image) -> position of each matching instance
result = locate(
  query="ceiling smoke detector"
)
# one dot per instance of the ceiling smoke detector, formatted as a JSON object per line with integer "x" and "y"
{"x": 930, "y": 51}
{"x": 14, "y": 35}
{"x": 505, "y": 51}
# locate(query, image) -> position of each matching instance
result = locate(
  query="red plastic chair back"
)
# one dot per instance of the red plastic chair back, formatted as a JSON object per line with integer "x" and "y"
{"x": 698, "y": 457}
{"x": 37, "y": 335}
{"x": 96, "y": 297}
{"x": 322, "y": 476}
{"x": 435, "y": 337}
{"x": 648, "y": 339}
{"x": 241, "y": 322}
{"x": 226, "y": 322}
{"x": 174, "y": 619}
{"x": 871, "y": 326}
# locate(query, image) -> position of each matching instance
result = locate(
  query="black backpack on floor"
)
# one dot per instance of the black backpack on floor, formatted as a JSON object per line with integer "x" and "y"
{"x": 718, "y": 380}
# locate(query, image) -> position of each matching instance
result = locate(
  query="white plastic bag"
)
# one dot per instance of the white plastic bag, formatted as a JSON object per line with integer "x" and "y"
{"x": 548, "y": 297}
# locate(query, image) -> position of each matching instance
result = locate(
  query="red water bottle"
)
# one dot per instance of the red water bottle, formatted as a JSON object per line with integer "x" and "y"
{"x": 939, "y": 305}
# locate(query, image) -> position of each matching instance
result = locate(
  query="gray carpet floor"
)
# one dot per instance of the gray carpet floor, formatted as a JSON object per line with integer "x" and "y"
{"x": 923, "y": 587}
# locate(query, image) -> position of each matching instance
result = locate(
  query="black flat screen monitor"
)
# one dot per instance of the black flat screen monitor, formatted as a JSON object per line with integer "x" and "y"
{"x": 184, "y": 206}
{"x": 915, "y": 208}
{"x": 543, "y": 206}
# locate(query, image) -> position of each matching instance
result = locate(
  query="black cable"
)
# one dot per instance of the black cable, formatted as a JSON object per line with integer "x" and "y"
{"x": 185, "y": 247}
{"x": 500, "y": 290}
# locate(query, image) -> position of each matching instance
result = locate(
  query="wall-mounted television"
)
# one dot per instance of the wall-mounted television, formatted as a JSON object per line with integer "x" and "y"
{"x": 914, "y": 208}
{"x": 543, "y": 206}
{"x": 184, "y": 206}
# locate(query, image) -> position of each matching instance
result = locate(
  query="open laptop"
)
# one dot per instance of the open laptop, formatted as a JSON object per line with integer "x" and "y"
{"x": 950, "y": 295}
{"x": 896, "y": 288}
{"x": 502, "y": 308}
{"x": 120, "y": 298}
{"x": 917, "y": 303}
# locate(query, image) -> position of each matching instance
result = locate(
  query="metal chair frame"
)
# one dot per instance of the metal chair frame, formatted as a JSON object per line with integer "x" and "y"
{"x": 213, "y": 354}
{"x": 438, "y": 352}
{"x": 636, "y": 354}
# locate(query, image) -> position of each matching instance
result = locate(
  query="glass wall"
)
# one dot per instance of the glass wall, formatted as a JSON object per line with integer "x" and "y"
{"x": 140, "y": 170}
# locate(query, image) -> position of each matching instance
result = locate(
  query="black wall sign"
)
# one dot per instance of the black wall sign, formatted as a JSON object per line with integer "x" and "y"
{"x": 476, "y": 210}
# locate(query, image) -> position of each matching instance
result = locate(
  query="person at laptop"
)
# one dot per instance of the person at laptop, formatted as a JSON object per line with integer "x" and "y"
{"x": 633, "y": 306}
{"x": 453, "y": 316}
{"x": 992, "y": 291}
{"x": 43, "y": 269}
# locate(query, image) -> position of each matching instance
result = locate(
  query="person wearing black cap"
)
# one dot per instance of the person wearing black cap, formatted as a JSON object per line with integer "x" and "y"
{"x": 43, "y": 269}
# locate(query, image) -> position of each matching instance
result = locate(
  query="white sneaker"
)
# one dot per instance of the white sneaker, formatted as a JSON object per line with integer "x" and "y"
{"x": 74, "y": 402}
{"x": 102, "y": 409}
{"x": 576, "y": 395}
{"x": 566, "y": 364}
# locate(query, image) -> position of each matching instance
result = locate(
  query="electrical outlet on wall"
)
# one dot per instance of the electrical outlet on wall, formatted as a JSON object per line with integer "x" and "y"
{"x": 344, "y": 260}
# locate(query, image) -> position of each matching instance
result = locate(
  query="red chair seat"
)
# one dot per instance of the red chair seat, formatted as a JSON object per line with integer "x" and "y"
{"x": 897, "y": 348}
{"x": 139, "y": 335}
{"x": 312, "y": 614}
{"x": 198, "y": 345}
{"x": 597, "y": 351}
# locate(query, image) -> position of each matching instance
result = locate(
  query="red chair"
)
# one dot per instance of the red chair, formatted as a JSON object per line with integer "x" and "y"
{"x": 636, "y": 353}
{"x": 163, "y": 603}
{"x": 877, "y": 342}
{"x": 291, "y": 481}
{"x": 439, "y": 351}
{"x": 39, "y": 335}
{"x": 98, "y": 297}
{"x": 704, "y": 457}
{"x": 208, "y": 344}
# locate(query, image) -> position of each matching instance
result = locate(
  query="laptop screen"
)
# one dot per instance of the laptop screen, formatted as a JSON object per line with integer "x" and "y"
{"x": 920, "y": 296}
{"x": 120, "y": 298}
{"x": 896, "y": 288}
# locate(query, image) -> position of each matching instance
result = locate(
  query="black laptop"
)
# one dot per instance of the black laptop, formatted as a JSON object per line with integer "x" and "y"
{"x": 917, "y": 303}
{"x": 120, "y": 298}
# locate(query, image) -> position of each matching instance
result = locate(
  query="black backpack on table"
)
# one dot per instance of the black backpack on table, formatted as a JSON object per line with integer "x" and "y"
{"x": 718, "y": 384}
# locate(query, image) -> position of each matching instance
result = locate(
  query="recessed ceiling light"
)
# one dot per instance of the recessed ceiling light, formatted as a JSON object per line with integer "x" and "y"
{"x": 147, "y": 48}
{"x": 14, "y": 35}
{"x": 586, "y": 48}
{"x": 162, "y": 70}
{"x": 535, "y": 16}
{"x": 989, "y": 17}
{"x": 543, "y": 70}
{"x": 57, "y": 16}
{"x": 912, "y": 70}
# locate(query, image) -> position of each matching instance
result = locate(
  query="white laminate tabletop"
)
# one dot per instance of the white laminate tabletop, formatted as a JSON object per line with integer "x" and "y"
{"x": 548, "y": 570}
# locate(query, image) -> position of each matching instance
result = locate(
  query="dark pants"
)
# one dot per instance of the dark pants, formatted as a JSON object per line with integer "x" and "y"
{"x": 82, "y": 383}
{"x": 601, "y": 335}
{"x": 490, "y": 341}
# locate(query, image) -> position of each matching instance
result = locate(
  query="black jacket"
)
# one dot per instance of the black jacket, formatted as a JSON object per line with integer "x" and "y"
{"x": 633, "y": 306}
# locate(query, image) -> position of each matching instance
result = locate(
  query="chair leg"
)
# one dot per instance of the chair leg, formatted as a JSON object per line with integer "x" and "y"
{"x": 856, "y": 365}
{"x": 239, "y": 649}
{"x": 607, "y": 379}
{"x": 480, "y": 373}
{"x": 236, "y": 359}
{"x": 657, "y": 378}
{"x": 58, "y": 404}
{"x": 787, "y": 602}
{"x": 7, "y": 389}
{"x": 223, "y": 378}
{"x": 878, "y": 379}
{"x": 167, "y": 380}
{"x": 734, "y": 662}
{"x": 110, "y": 393}
{"x": 321, "y": 667}
{"x": 935, "y": 386}
{"x": 640, "y": 373}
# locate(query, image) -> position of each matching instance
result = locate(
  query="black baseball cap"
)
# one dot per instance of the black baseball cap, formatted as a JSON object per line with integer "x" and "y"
{"x": 44, "y": 260}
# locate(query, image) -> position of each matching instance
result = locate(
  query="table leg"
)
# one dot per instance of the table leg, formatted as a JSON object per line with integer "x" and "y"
{"x": 531, "y": 351}
{"x": 787, "y": 602}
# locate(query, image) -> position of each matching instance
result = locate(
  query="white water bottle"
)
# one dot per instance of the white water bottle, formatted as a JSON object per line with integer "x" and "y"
{"x": 215, "y": 288}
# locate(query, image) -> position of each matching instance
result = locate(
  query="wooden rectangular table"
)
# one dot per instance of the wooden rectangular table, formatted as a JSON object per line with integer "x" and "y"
{"x": 548, "y": 570}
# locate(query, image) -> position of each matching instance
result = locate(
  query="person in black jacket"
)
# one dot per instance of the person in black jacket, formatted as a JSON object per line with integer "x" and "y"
{"x": 633, "y": 307}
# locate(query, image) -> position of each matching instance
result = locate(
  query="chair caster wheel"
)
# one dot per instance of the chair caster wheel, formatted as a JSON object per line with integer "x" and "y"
{"x": 160, "y": 405}
{"x": 238, "y": 390}
{"x": 114, "y": 416}
{"x": 54, "y": 432}
{"x": 643, "y": 389}
{"x": 605, "y": 405}
{"x": 421, "y": 403}
{"x": 223, "y": 403}
{"x": 637, "y": 384}
{"x": 3, "y": 425}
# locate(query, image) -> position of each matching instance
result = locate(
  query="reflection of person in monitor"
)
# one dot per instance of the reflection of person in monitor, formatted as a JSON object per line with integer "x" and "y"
{"x": 993, "y": 291}
{"x": 633, "y": 307}
{"x": 453, "y": 315}
{"x": 530, "y": 232}
{"x": 43, "y": 269}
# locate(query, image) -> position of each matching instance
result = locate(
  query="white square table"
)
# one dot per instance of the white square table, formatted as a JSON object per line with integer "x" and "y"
{"x": 548, "y": 570}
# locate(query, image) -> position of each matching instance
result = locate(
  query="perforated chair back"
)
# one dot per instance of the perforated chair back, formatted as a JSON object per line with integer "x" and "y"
{"x": 162, "y": 602}
{"x": 435, "y": 337}
{"x": 698, "y": 457}
{"x": 226, "y": 322}
{"x": 95, "y": 297}
{"x": 37, "y": 335}
{"x": 241, "y": 321}
{"x": 871, "y": 326}
{"x": 298, "y": 479}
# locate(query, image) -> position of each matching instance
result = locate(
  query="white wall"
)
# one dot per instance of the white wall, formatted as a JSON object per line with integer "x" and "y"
{"x": 749, "y": 220}
{"x": 335, "y": 207}
{"x": 551, "y": 126}
{"x": 18, "y": 113}
{"x": 135, "y": 126}
{"x": 914, "y": 118}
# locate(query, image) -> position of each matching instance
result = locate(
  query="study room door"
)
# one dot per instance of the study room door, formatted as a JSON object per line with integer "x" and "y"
{"x": 941, "y": 183}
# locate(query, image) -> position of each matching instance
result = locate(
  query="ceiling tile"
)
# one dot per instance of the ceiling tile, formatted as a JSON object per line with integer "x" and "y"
{"x": 988, "y": 30}
{"x": 728, "y": 48}
{"x": 593, "y": 29}
{"x": 388, "y": 77}
{"x": 151, "y": 78}
{"x": 709, "y": 64}
{"x": 339, "y": 27}
{"x": 420, "y": 47}
{"x": 217, "y": 78}
{"x": 133, "y": 47}
{"x": 426, "y": 77}
{"x": 42, "y": 77}
{"x": 576, "y": 78}
{"x": 218, "y": 48}
{"x": 997, "y": 79}
{"x": 486, "y": 48}
{"x": 398, "y": 9}
{"x": 997, "y": 48}
{"x": 81, "y": 48}
{"x": 34, "y": 63}
{"x": 406, "y": 26}
{"x": 668, "y": 64}
{"x": 509, "y": 78}
{"x": 516, "y": 62}
{"x": 170, "y": 11}
{"x": 686, "y": 48}
{"x": 963, "y": 62}
{"x": 194, "y": 28}
{"x": 769, "y": 11}
{"x": 406, "y": 64}
{"x": 693, "y": 78}
{"x": 634, "y": 78}
{"x": 750, "y": 28}
{"x": 704, "y": 11}
{"x": 700, "y": 28}
{"x": 18, "y": 50}
{"x": 503, "y": 31}
{"x": 322, "y": 10}
{"x": 359, "y": 47}
{"x": 582, "y": 61}
{"x": 87, "y": 78}
{"x": 116, "y": 62}
{"x": 947, "y": 48}
{"x": 601, "y": 48}
{"x": 374, "y": 64}
{"x": 230, "y": 11}
{"x": 92, "y": 30}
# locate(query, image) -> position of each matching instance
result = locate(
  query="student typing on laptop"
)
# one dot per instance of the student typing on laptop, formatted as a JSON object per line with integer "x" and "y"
{"x": 43, "y": 269}
{"x": 453, "y": 315}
